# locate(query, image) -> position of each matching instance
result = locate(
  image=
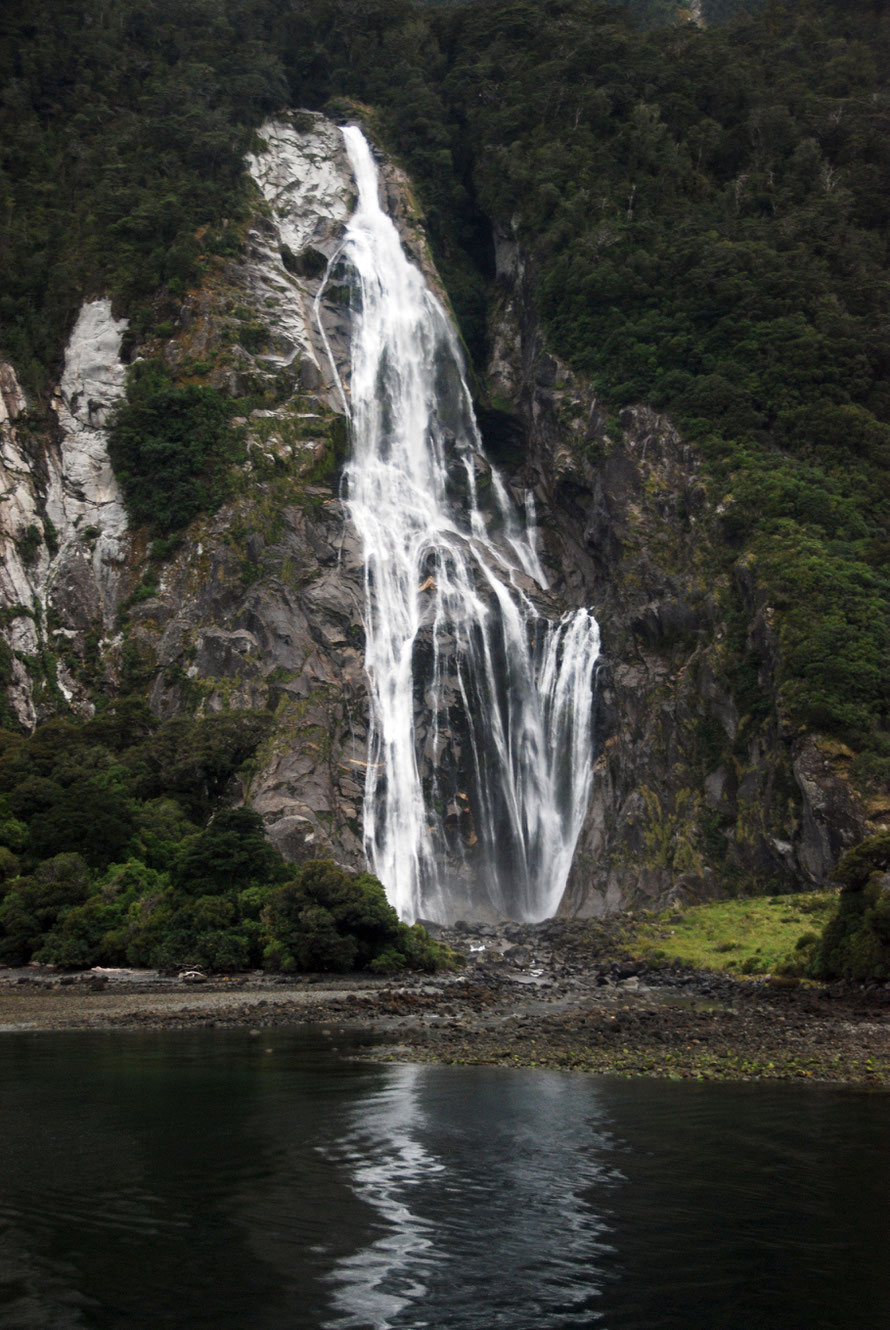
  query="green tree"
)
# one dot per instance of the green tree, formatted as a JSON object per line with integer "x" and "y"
{"x": 326, "y": 919}
{"x": 171, "y": 448}
{"x": 32, "y": 905}
{"x": 194, "y": 760}
{"x": 230, "y": 854}
{"x": 855, "y": 943}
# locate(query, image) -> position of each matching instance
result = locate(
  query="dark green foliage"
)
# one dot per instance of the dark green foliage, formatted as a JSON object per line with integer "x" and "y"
{"x": 115, "y": 852}
{"x": 73, "y": 796}
{"x": 326, "y": 919}
{"x": 231, "y": 851}
{"x": 124, "y": 722}
{"x": 195, "y": 761}
{"x": 856, "y": 868}
{"x": 81, "y": 938}
{"x": 92, "y": 817}
{"x": 163, "y": 825}
{"x": 171, "y": 448}
{"x": 7, "y": 715}
{"x": 701, "y": 210}
{"x": 855, "y": 944}
{"x": 871, "y": 770}
{"x": 88, "y": 796}
{"x": 29, "y": 543}
{"x": 32, "y": 905}
{"x": 834, "y": 634}
{"x": 123, "y": 125}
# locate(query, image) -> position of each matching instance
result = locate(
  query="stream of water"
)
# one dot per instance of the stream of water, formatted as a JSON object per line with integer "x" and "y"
{"x": 481, "y": 745}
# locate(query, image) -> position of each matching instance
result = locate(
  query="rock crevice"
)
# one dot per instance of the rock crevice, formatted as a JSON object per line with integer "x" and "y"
{"x": 699, "y": 787}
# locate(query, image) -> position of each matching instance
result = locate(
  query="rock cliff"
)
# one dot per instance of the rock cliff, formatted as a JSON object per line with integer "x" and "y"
{"x": 698, "y": 788}
{"x": 63, "y": 524}
{"x": 259, "y": 605}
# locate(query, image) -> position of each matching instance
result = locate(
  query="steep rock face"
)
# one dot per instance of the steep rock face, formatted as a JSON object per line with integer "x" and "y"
{"x": 63, "y": 524}
{"x": 699, "y": 788}
{"x": 263, "y": 612}
{"x": 83, "y": 495}
{"x": 259, "y": 606}
{"x": 304, "y": 177}
{"x": 18, "y": 514}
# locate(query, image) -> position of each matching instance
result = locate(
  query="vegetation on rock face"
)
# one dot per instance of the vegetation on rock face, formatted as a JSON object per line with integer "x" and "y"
{"x": 706, "y": 213}
{"x": 171, "y": 447}
{"x": 856, "y": 941}
{"x": 116, "y": 848}
{"x": 123, "y": 128}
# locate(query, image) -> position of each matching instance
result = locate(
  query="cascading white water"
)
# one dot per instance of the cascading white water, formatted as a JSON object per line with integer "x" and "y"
{"x": 481, "y": 746}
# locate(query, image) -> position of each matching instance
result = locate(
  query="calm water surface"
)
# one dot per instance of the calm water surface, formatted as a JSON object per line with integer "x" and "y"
{"x": 218, "y": 1180}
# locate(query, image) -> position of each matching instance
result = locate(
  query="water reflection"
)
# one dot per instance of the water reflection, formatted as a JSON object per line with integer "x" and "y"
{"x": 214, "y": 1181}
{"x": 488, "y": 1197}
{"x": 386, "y": 1162}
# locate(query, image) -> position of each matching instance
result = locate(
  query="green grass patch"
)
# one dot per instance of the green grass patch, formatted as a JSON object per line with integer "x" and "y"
{"x": 758, "y": 935}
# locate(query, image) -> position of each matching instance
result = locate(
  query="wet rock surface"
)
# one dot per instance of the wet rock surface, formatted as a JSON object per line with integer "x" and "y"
{"x": 560, "y": 994}
{"x": 693, "y": 795}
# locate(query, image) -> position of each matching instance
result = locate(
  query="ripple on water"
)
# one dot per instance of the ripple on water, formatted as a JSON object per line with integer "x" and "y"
{"x": 156, "y": 1182}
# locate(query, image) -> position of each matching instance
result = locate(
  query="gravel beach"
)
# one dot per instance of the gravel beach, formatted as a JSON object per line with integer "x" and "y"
{"x": 550, "y": 995}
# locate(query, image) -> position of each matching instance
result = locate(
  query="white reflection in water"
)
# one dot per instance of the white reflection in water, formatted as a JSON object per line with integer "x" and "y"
{"x": 494, "y": 1227}
{"x": 386, "y": 1161}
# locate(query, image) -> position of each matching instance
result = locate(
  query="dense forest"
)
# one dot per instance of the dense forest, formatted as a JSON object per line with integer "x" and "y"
{"x": 118, "y": 849}
{"x": 706, "y": 213}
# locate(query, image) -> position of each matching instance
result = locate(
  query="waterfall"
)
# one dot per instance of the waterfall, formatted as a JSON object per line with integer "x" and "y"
{"x": 481, "y": 748}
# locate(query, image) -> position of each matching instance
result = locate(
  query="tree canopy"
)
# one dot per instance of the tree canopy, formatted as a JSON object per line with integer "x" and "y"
{"x": 131, "y": 853}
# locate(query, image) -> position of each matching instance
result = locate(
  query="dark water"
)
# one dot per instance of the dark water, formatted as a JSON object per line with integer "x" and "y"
{"x": 218, "y": 1180}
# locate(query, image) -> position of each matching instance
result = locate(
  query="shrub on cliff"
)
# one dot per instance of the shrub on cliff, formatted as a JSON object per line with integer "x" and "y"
{"x": 194, "y": 759}
{"x": 856, "y": 941}
{"x": 230, "y": 854}
{"x": 171, "y": 447}
{"x": 326, "y": 919}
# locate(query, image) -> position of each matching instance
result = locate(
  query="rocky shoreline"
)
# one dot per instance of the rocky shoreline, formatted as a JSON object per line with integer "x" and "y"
{"x": 559, "y": 994}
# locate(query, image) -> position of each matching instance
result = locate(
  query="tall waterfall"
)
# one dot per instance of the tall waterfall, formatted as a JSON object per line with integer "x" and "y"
{"x": 481, "y": 746}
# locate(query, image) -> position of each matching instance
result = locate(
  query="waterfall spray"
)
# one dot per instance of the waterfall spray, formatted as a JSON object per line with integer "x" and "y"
{"x": 480, "y": 751}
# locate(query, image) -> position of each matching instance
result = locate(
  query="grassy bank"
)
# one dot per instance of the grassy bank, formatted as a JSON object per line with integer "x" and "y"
{"x": 759, "y": 935}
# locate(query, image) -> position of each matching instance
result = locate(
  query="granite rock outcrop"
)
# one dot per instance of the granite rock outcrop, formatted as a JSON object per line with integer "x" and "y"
{"x": 700, "y": 787}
